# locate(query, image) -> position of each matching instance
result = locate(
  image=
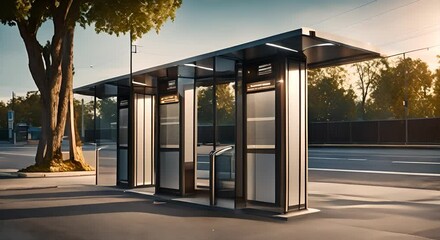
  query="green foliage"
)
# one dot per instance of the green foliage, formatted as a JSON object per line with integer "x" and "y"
{"x": 436, "y": 89}
{"x": 88, "y": 114}
{"x": 328, "y": 100}
{"x": 27, "y": 110}
{"x": 368, "y": 74}
{"x": 225, "y": 101}
{"x": 112, "y": 17}
{"x": 3, "y": 115}
{"x": 391, "y": 90}
{"x": 122, "y": 16}
{"x": 106, "y": 112}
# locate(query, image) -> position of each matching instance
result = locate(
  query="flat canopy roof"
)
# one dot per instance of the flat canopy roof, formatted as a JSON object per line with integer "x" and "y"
{"x": 321, "y": 50}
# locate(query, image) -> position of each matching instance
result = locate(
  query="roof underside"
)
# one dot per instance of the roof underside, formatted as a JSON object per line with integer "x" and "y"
{"x": 321, "y": 50}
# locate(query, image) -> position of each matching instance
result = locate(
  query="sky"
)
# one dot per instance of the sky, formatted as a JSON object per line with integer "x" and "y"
{"x": 201, "y": 26}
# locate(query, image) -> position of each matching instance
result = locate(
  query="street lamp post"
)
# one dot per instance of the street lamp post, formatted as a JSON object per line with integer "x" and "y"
{"x": 405, "y": 98}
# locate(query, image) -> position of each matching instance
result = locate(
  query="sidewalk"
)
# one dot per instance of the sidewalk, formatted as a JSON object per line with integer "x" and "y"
{"x": 346, "y": 212}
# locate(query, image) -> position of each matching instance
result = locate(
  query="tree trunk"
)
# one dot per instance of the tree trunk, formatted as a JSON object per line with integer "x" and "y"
{"x": 51, "y": 67}
{"x": 75, "y": 152}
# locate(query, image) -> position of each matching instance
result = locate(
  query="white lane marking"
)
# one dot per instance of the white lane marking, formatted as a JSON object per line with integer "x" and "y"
{"x": 345, "y": 159}
{"x": 404, "y": 162}
{"x": 379, "y": 172}
{"x": 382, "y": 155}
{"x": 17, "y": 154}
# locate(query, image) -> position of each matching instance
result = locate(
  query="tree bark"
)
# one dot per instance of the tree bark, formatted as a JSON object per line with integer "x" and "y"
{"x": 51, "y": 67}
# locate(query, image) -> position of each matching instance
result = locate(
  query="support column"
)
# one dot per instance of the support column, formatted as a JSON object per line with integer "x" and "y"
{"x": 296, "y": 135}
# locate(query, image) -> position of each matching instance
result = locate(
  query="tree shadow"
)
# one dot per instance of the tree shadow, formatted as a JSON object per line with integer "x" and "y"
{"x": 133, "y": 203}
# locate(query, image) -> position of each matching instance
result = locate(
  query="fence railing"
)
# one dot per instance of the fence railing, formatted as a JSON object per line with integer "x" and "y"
{"x": 415, "y": 131}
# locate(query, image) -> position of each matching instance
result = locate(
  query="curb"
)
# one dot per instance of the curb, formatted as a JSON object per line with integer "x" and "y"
{"x": 28, "y": 188}
{"x": 55, "y": 174}
{"x": 375, "y": 146}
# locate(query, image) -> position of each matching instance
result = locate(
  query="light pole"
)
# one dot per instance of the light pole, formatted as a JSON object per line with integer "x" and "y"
{"x": 82, "y": 119}
{"x": 405, "y": 98}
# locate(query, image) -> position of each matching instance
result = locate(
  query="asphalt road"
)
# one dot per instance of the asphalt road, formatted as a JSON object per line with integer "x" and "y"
{"x": 420, "y": 162}
{"x": 408, "y": 168}
{"x": 413, "y": 168}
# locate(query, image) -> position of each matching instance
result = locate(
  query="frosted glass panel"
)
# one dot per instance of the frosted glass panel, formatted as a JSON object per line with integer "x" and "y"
{"x": 140, "y": 137}
{"x": 169, "y": 125}
{"x": 188, "y": 93}
{"x": 261, "y": 120}
{"x": 143, "y": 135}
{"x": 149, "y": 136}
{"x": 296, "y": 117}
{"x": 261, "y": 177}
{"x": 169, "y": 170}
{"x": 303, "y": 79}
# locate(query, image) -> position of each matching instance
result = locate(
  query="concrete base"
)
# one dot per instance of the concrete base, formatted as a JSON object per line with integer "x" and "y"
{"x": 294, "y": 214}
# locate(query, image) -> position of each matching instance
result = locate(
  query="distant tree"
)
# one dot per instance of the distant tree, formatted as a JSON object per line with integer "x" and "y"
{"x": 27, "y": 109}
{"x": 436, "y": 97}
{"x": 225, "y": 104}
{"x": 51, "y": 63}
{"x": 328, "y": 99}
{"x": 107, "y": 112}
{"x": 390, "y": 90}
{"x": 3, "y": 115}
{"x": 367, "y": 73}
{"x": 87, "y": 114}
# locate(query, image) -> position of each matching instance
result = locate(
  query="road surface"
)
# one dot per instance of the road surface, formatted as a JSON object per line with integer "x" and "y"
{"x": 410, "y": 168}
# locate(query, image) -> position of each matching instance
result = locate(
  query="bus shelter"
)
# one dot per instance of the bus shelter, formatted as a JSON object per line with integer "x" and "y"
{"x": 228, "y": 126}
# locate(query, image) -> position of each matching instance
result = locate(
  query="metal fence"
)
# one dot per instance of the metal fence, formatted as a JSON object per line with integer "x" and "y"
{"x": 412, "y": 131}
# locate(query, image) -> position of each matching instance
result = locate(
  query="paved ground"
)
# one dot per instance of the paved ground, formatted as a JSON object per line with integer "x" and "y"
{"x": 88, "y": 212}
{"x": 354, "y": 205}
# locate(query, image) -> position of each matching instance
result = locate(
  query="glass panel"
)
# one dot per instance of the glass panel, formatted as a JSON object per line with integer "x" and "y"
{"x": 169, "y": 169}
{"x": 106, "y": 132}
{"x": 123, "y": 127}
{"x": 186, "y": 89}
{"x": 143, "y": 136}
{"x": 205, "y": 129}
{"x": 261, "y": 177}
{"x": 293, "y": 129}
{"x": 169, "y": 125}
{"x": 303, "y": 172}
{"x": 225, "y": 174}
{"x": 149, "y": 137}
{"x": 139, "y": 131}
{"x": 261, "y": 120}
{"x": 123, "y": 165}
{"x": 225, "y": 134}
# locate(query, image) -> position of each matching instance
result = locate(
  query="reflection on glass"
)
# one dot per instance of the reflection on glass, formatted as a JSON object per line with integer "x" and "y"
{"x": 123, "y": 127}
{"x": 261, "y": 120}
{"x": 205, "y": 129}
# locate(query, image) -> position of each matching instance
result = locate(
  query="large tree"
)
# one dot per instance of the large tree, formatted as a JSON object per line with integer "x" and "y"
{"x": 409, "y": 79}
{"x": 328, "y": 99}
{"x": 436, "y": 97}
{"x": 368, "y": 73}
{"x": 51, "y": 63}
